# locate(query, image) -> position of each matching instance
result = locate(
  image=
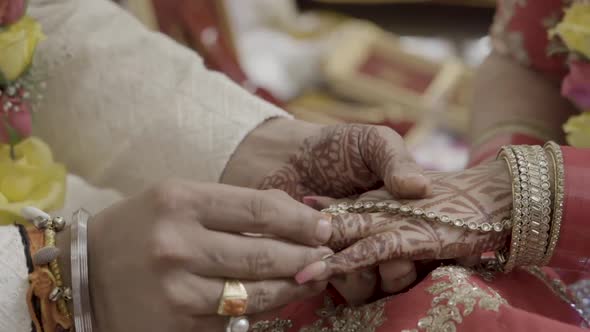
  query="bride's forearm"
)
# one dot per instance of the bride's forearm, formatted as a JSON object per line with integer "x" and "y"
{"x": 512, "y": 99}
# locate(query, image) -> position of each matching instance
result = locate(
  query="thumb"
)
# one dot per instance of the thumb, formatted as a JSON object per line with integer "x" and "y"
{"x": 385, "y": 153}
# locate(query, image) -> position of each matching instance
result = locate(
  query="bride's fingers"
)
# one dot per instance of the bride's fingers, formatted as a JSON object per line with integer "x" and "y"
{"x": 356, "y": 288}
{"x": 414, "y": 240}
{"x": 397, "y": 274}
{"x": 349, "y": 228}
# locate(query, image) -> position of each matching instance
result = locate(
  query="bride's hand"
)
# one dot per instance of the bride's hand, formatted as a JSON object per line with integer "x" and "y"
{"x": 306, "y": 159}
{"x": 482, "y": 194}
{"x": 158, "y": 260}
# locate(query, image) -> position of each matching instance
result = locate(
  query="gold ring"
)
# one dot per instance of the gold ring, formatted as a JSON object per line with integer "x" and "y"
{"x": 234, "y": 299}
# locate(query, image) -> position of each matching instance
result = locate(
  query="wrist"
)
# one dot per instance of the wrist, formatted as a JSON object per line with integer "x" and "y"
{"x": 280, "y": 137}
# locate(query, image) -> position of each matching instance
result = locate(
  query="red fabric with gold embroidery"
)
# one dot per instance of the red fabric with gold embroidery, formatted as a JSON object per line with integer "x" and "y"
{"x": 449, "y": 299}
{"x": 520, "y": 30}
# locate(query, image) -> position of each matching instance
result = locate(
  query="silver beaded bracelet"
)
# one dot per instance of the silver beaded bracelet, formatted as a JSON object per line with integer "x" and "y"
{"x": 395, "y": 208}
{"x": 80, "y": 286}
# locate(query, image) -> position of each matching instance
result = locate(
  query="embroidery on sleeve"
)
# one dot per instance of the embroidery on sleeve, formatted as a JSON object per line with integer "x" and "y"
{"x": 504, "y": 40}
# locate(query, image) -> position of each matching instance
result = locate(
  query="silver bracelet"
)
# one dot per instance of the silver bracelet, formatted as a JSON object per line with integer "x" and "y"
{"x": 80, "y": 287}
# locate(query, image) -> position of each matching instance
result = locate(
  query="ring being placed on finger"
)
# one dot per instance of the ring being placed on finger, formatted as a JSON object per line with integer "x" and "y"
{"x": 234, "y": 299}
{"x": 238, "y": 324}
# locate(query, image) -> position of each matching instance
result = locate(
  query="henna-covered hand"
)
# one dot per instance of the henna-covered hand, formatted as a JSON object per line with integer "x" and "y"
{"x": 482, "y": 194}
{"x": 337, "y": 161}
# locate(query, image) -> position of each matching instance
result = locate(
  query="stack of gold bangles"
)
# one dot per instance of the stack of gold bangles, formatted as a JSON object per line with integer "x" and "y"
{"x": 535, "y": 221}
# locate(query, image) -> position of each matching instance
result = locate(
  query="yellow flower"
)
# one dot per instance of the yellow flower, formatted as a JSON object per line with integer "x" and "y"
{"x": 574, "y": 29}
{"x": 33, "y": 179}
{"x": 577, "y": 129}
{"x": 17, "y": 47}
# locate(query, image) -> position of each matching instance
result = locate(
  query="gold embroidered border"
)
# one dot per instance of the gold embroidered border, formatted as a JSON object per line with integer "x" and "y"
{"x": 455, "y": 298}
{"x": 333, "y": 318}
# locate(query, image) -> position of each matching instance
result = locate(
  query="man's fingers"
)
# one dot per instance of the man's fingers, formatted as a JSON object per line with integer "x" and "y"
{"x": 356, "y": 288}
{"x": 272, "y": 212}
{"x": 254, "y": 258}
{"x": 196, "y": 295}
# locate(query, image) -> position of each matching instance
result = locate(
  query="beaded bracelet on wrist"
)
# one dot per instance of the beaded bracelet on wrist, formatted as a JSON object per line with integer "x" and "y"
{"x": 46, "y": 284}
{"x": 431, "y": 216}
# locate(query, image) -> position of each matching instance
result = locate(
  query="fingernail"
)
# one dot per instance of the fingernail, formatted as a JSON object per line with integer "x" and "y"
{"x": 310, "y": 201}
{"x": 323, "y": 231}
{"x": 413, "y": 184}
{"x": 311, "y": 272}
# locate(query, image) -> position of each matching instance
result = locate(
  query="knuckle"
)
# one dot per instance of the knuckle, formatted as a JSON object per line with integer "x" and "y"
{"x": 261, "y": 299}
{"x": 165, "y": 248}
{"x": 263, "y": 209}
{"x": 167, "y": 195}
{"x": 177, "y": 299}
{"x": 260, "y": 264}
{"x": 277, "y": 194}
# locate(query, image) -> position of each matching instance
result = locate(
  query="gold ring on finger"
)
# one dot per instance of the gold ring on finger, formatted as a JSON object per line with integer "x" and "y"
{"x": 234, "y": 299}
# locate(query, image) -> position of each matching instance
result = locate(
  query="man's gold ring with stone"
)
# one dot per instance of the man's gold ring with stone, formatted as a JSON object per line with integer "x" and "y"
{"x": 234, "y": 299}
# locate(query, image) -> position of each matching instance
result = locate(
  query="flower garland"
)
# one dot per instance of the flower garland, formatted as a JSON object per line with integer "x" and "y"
{"x": 573, "y": 32}
{"x": 28, "y": 174}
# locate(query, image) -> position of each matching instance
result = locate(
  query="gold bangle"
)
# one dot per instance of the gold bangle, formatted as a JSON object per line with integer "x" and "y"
{"x": 536, "y": 211}
{"x": 522, "y": 256}
{"x": 556, "y": 156}
{"x": 510, "y": 258}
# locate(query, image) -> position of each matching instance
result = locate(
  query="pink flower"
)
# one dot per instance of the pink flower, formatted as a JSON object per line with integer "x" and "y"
{"x": 576, "y": 85}
{"x": 18, "y": 123}
{"x": 11, "y": 11}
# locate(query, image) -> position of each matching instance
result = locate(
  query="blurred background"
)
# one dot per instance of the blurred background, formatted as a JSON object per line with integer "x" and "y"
{"x": 404, "y": 64}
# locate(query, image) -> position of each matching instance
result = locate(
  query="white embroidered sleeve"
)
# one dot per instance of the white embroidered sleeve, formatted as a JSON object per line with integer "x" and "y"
{"x": 126, "y": 107}
{"x": 14, "y": 315}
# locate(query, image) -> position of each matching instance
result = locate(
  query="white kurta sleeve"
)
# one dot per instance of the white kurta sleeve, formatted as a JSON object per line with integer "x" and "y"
{"x": 14, "y": 315}
{"x": 126, "y": 107}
